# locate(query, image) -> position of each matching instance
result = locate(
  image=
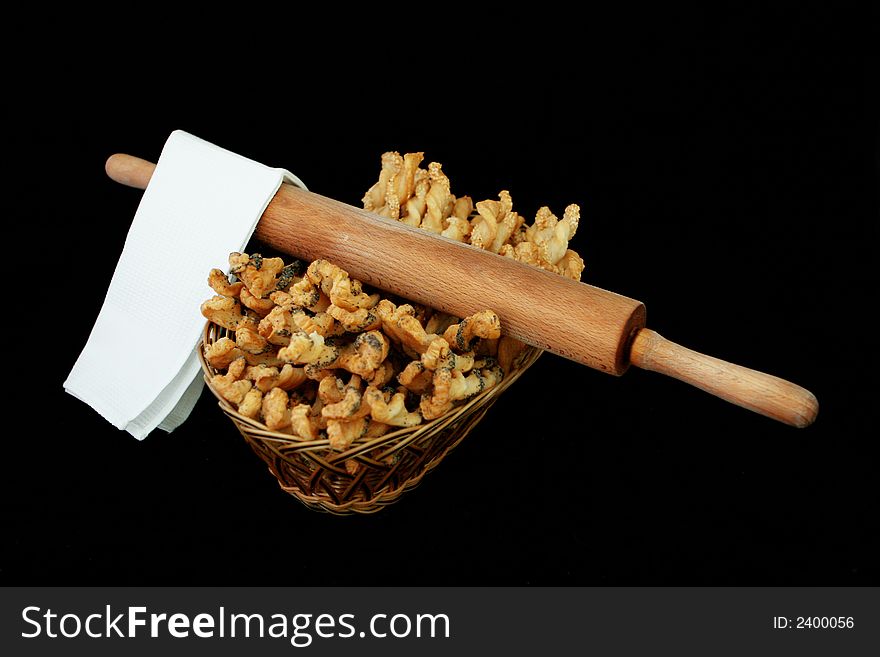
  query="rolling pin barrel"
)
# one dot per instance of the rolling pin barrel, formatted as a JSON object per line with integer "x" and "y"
{"x": 592, "y": 326}
{"x": 595, "y": 328}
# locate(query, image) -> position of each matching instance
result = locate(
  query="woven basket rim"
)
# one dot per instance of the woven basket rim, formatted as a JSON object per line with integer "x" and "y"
{"x": 359, "y": 446}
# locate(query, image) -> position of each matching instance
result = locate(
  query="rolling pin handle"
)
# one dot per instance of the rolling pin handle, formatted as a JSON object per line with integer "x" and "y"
{"x": 129, "y": 170}
{"x": 756, "y": 391}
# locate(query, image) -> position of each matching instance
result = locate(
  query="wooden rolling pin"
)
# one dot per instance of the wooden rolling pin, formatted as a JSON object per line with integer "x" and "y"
{"x": 598, "y": 328}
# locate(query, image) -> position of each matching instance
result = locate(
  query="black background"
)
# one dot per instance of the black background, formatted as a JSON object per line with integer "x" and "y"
{"x": 726, "y": 171}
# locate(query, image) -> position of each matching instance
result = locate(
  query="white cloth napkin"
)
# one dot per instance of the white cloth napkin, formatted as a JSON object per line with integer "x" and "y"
{"x": 139, "y": 368}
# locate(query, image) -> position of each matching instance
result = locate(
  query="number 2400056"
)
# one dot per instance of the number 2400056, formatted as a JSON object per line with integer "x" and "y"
{"x": 814, "y": 623}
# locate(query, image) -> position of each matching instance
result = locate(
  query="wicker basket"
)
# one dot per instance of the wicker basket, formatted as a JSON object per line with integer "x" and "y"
{"x": 388, "y": 465}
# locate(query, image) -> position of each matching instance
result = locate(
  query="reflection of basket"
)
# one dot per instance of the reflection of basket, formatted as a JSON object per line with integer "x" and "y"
{"x": 388, "y": 465}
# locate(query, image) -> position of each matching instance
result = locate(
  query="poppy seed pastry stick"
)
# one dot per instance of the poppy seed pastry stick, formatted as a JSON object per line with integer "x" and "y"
{"x": 602, "y": 329}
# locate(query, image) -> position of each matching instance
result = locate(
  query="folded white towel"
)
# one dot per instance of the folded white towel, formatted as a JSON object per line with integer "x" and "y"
{"x": 139, "y": 368}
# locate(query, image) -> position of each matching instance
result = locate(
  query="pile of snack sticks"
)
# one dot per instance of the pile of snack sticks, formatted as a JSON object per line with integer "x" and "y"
{"x": 310, "y": 352}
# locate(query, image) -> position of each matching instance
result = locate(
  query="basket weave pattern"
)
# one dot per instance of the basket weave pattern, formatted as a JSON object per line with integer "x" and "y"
{"x": 386, "y": 466}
